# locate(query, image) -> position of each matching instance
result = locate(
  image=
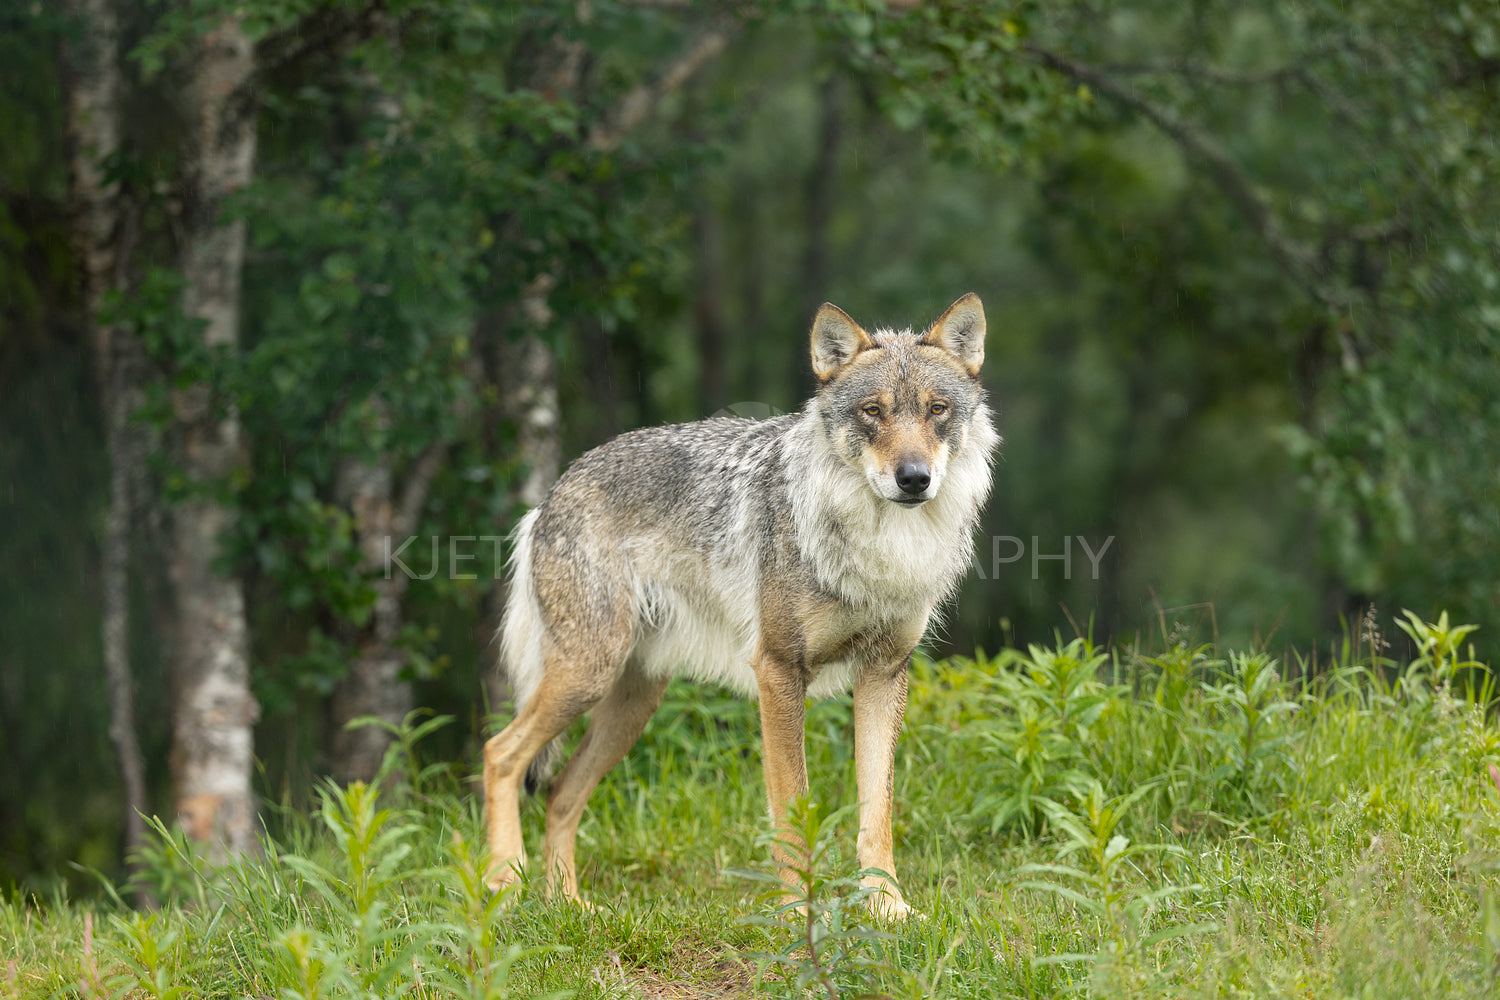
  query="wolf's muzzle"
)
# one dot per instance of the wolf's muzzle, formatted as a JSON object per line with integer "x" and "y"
{"x": 913, "y": 478}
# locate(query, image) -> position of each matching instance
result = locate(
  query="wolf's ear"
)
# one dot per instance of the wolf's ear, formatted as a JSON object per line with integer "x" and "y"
{"x": 836, "y": 339}
{"x": 960, "y": 332}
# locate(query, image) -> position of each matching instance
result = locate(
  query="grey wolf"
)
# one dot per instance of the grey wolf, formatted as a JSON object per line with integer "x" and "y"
{"x": 786, "y": 558}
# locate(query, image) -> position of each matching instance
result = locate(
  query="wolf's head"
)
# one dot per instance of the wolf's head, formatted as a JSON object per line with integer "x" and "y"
{"x": 900, "y": 406}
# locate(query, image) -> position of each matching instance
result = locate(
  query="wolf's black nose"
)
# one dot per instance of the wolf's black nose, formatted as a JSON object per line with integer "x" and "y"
{"x": 913, "y": 477}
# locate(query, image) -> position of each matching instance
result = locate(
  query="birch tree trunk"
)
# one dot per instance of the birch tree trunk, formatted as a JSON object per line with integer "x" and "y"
{"x": 93, "y": 104}
{"x": 532, "y": 395}
{"x": 526, "y": 377}
{"x": 366, "y": 488}
{"x": 215, "y": 711}
{"x": 526, "y": 374}
{"x": 373, "y": 685}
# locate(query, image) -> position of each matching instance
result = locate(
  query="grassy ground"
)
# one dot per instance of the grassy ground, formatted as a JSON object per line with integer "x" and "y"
{"x": 1069, "y": 821}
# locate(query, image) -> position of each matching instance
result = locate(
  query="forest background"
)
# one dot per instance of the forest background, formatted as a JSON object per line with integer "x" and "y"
{"x": 282, "y": 281}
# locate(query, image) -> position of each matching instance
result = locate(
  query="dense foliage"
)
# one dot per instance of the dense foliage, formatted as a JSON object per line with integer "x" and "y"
{"x": 1193, "y": 823}
{"x": 1239, "y": 261}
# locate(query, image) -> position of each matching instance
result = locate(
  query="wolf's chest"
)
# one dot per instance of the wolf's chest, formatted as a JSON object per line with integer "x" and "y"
{"x": 713, "y": 636}
{"x": 896, "y": 568}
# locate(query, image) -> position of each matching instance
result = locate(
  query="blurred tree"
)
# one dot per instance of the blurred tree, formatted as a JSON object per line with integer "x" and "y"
{"x": 467, "y": 219}
{"x": 213, "y": 746}
{"x": 1344, "y": 140}
{"x": 1354, "y": 160}
{"x": 1226, "y": 249}
{"x": 102, "y": 232}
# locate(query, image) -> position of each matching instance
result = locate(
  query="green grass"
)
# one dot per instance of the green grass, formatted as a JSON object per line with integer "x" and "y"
{"x": 1070, "y": 821}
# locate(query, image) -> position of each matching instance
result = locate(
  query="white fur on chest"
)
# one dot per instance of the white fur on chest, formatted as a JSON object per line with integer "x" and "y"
{"x": 889, "y": 566}
{"x": 705, "y": 640}
{"x": 895, "y": 562}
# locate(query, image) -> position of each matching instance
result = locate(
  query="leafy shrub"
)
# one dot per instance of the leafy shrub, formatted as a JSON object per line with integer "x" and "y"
{"x": 1041, "y": 709}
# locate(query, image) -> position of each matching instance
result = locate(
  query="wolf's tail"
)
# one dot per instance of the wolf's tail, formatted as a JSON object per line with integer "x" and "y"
{"x": 521, "y": 634}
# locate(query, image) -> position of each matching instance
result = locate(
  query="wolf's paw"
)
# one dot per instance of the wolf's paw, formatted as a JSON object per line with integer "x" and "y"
{"x": 504, "y": 896}
{"x": 885, "y": 900}
{"x": 505, "y": 879}
{"x": 892, "y": 908}
{"x": 556, "y": 893}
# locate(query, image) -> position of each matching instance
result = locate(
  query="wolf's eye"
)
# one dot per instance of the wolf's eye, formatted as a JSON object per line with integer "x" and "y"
{"x": 938, "y": 409}
{"x": 870, "y": 409}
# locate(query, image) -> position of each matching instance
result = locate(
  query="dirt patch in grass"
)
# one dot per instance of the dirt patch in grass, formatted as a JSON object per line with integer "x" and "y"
{"x": 700, "y": 977}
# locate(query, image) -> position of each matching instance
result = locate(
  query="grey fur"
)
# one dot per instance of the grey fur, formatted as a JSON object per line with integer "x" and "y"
{"x": 780, "y": 558}
{"x": 688, "y": 489}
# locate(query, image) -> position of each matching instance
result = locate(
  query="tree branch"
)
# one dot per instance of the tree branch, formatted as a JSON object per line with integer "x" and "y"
{"x": 325, "y": 30}
{"x": 1297, "y": 259}
{"x": 414, "y": 491}
{"x": 1205, "y": 71}
{"x": 1194, "y": 69}
{"x": 637, "y": 105}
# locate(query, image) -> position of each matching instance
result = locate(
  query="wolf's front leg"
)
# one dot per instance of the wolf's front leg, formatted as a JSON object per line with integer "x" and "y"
{"x": 879, "y": 705}
{"x": 783, "y": 709}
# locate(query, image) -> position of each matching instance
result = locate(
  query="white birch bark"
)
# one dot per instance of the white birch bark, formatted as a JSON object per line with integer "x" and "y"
{"x": 373, "y": 686}
{"x": 93, "y": 108}
{"x": 215, "y": 711}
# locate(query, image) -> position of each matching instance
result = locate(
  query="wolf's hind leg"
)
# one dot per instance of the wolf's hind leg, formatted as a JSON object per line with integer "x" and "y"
{"x": 567, "y": 690}
{"x": 616, "y": 725}
{"x": 507, "y": 754}
{"x": 578, "y": 629}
